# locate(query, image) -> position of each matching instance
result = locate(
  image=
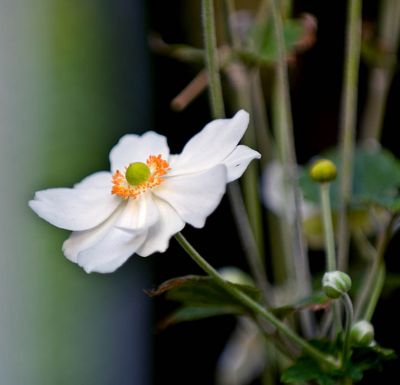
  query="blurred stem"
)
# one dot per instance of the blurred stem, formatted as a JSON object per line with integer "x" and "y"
{"x": 284, "y": 131}
{"x": 381, "y": 75}
{"x": 245, "y": 224}
{"x": 239, "y": 78}
{"x": 254, "y": 306}
{"x": 257, "y": 268}
{"x": 348, "y": 307}
{"x": 328, "y": 227}
{"x": 329, "y": 242}
{"x": 376, "y": 292}
{"x": 348, "y": 124}
{"x": 210, "y": 45}
{"x": 372, "y": 285}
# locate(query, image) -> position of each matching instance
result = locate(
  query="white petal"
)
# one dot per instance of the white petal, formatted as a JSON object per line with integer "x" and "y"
{"x": 112, "y": 251}
{"x": 159, "y": 235}
{"x": 104, "y": 248}
{"x": 211, "y": 145}
{"x": 101, "y": 179}
{"x": 139, "y": 213}
{"x": 80, "y": 241}
{"x": 75, "y": 209}
{"x": 135, "y": 148}
{"x": 238, "y": 161}
{"x": 194, "y": 196}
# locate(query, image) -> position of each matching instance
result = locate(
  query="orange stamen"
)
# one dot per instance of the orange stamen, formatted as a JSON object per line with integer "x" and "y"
{"x": 158, "y": 168}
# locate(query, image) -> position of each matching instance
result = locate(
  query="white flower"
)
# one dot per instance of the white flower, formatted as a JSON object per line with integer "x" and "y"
{"x": 112, "y": 218}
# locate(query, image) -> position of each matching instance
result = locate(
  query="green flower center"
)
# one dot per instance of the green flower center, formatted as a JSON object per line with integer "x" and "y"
{"x": 137, "y": 173}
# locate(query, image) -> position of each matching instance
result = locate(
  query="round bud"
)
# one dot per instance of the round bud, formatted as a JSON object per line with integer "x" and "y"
{"x": 323, "y": 170}
{"x": 335, "y": 284}
{"x": 137, "y": 173}
{"x": 362, "y": 333}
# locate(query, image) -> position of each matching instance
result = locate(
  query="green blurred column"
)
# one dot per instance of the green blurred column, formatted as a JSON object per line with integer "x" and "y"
{"x": 73, "y": 78}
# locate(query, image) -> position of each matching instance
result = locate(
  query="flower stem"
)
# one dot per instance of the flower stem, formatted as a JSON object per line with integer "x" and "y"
{"x": 376, "y": 292}
{"x": 210, "y": 45}
{"x": 328, "y": 227}
{"x": 331, "y": 264}
{"x": 373, "y": 283}
{"x": 348, "y": 306}
{"x": 242, "y": 220}
{"x": 348, "y": 123}
{"x": 255, "y": 307}
{"x": 285, "y": 139}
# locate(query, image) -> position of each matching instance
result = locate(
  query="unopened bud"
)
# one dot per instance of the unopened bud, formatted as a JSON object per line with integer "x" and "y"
{"x": 323, "y": 170}
{"x": 362, "y": 333}
{"x": 335, "y": 284}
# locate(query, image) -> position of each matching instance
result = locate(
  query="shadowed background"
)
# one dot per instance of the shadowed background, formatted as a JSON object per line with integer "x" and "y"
{"x": 75, "y": 75}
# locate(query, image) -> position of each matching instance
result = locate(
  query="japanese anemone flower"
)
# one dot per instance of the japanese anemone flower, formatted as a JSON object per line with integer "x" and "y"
{"x": 148, "y": 196}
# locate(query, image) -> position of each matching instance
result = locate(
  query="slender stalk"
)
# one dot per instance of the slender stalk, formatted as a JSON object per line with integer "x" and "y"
{"x": 249, "y": 226}
{"x": 284, "y": 131}
{"x": 372, "y": 283}
{"x": 328, "y": 227}
{"x": 381, "y": 75}
{"x": 255, "y": 307}
{"x": 348, "y": 124}
{"x": 348, "y": 306}
{"x": 331, "y": 263}
{"x": 375, "y": 293}
{"x": 257, "y": 268}
{"x": 210, "y": 45}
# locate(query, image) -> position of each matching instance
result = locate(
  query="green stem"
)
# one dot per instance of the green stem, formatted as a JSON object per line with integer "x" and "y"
{"x": 331, "y": 264}
{"x": 328, "y": 227}
{"x": 348, "y": 306}
{"x": 376, "y": 292}
{"x": 210, "y": 45}
{"x": 348, "y": 124}
{"x": 284, "y": 131}
{"x": 255, "y": 307}
{"x": 381, "y": 74}
{"x": 372, "y": 285}
{"x": 250, "y": 247}
{"x": 241, "y": 217}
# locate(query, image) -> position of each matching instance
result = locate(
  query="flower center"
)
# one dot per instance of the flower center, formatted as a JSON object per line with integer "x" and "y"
{"x": 137, "y": 173}
{"x": 139, "y": 177}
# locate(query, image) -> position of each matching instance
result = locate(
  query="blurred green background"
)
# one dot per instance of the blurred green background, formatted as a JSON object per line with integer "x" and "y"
{"x": 73, "y": 79}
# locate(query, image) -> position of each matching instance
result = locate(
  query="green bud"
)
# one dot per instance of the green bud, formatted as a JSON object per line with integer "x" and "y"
{"x": 362, "y": 333}
{"x": 323, "y": 170}
{"x": 335, "y": 284}
{"x": 137, "y": 173}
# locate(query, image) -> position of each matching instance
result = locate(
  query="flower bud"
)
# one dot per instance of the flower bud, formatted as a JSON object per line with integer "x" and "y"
{"x": 362, "y": 333}
{"x": 323, "y": 170}
{"x": 137, "y": 173}
{"x": 335, "y": 284}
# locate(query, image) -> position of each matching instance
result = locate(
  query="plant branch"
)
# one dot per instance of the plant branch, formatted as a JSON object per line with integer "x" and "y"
{"x": 254, "y": 306}
{"x": 348, "y": 124}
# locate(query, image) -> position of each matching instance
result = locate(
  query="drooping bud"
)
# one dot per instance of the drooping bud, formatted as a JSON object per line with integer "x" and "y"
{"x": 362, "y": 333}
{"x": 323, "y": 170}
{"x": 335, "y": 284}
{"x": 137, "y": 173}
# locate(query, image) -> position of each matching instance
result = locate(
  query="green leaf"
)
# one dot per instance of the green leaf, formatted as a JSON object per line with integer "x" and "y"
{"x": 314, "y": 302}
{"x": 201, "y": 297}
{"x": 376, "y": 180}
{"x": 263, "y": 45}
{"x": 306, "y": 370}
{"x": 195, "y": 313}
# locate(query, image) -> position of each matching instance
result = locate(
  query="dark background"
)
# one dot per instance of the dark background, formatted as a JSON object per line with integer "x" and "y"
{"x": 187, "y": 353}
